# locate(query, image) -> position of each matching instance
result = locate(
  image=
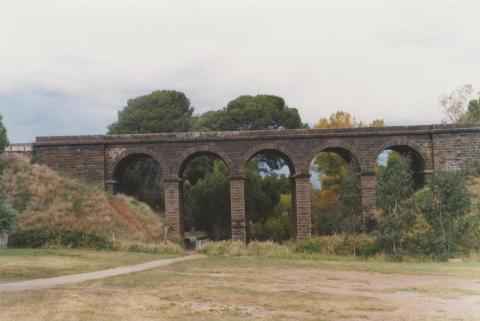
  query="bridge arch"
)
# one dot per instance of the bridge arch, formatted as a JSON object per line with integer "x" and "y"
{"x": 146, "y": 184}
{"x": 348, "y": 152}
{"x": 290, "y": 158}
{"x": 195, "y": 151}
{"x": 403, "y": 145}
{"x": 421, "y": 161}
{"x": 138, "y": 151}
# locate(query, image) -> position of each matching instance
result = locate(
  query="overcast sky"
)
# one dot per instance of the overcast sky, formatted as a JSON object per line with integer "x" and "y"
{"x": 67, "y": 67}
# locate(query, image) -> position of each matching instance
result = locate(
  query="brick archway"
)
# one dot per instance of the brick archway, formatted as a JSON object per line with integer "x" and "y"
{"x": 290, "y": 158}
{"x": 401, "y": 143}
{"x": 190, "y": 153}
{"x": 336, "y": 144}
{"x": 139, "y": 151}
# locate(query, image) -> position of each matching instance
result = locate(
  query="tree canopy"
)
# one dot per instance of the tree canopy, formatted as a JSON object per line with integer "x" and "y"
{"x": 251, "y": 113}
{"x": 7, "y": 213}
{"x": 473, "y": 112}
{"x": 162, "y": 111}
{"x": 3, "y": 136}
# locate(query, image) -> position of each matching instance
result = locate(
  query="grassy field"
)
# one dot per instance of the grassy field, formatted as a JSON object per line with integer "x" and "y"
{"x": 262, "y": 288}
{"x": 21, "y": 264}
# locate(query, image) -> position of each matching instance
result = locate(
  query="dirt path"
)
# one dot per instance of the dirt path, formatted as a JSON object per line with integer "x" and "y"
{"x": 76, "y": 278}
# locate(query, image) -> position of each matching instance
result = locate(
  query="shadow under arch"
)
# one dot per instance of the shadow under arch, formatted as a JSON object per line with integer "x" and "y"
{"x": 196, "y": 151}
{"x": 272, "y": 149}
{"x": 208, "y": 216}
{"x": 140, "y": 175}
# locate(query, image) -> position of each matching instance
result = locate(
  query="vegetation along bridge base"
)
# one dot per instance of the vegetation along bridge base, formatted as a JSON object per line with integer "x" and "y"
{"x": 99, "y": 159}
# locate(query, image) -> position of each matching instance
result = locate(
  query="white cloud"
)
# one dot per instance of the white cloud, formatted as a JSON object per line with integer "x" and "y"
{"x": 388, "y": 59}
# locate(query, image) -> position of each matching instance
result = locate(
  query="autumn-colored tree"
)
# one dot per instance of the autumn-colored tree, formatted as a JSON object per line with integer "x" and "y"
{"x": 332, "y": 168}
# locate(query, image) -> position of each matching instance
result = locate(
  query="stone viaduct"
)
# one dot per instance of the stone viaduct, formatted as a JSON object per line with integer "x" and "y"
{"x": 98, "y": 158}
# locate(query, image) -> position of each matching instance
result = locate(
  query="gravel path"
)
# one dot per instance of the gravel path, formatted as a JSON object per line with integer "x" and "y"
{"x": 77, "y": 278}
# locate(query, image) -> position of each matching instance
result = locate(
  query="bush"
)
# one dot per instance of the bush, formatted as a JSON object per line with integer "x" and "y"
{"x": 339, "y": 244}
{"x": 226, "y": 248}
{"x": 326, "y": 245}
{"x": 155, "y": 248}
{"x": 474, "y": 168}
{"x": 66, "y": 238}
{"x": 254, "y": 248}
{"x": 7, "y": 216}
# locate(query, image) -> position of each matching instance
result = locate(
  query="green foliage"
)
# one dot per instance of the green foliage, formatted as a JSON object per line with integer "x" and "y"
{"x": 156, "y": 248}
{"x": 77, "y": 205}
{"x": 393, "y": 196}
{"x": 327, "y": 216}
{"x": 21, "y": 200}
{"x": 159, "y": 112}
{"x": 3, "y": 142}
{"x": 351, "y": 205}
{"x": 7, "y": 216}
{"x": 474, "y": 168}
{"x": 251, "y": 113}
{"x": 473, "y": 112}
{"x": 277, "y": 225}
{"x": 162, "y": 111}
{"x": 254, "y": 248}
{"x": 444, "y": 206}
{"x": 37, "y": 238}
{"x": 142, "y": 179}
{"x": 339, "y": 244}
{"x": 209, "y": 199}
{"x": 3, "y": 136}
{"x": 266, "y": 214}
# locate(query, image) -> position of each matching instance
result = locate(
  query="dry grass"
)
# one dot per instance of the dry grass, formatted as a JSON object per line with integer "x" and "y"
{"x": 22, "y": 264}
{"x": 261, "y": 288}
{"x": 47, "y": 200}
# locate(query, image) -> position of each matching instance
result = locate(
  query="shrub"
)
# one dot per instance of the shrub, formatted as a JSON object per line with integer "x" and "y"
{"x": 474, "y": 168}
{"x": 227, "y": 248}
{"x": 267, "y": 248}
{"x": 7, "y": 216}
{"x": 338, "y": 244}
{"x": 156, "y": 248}
{"x": 36, "y": 238}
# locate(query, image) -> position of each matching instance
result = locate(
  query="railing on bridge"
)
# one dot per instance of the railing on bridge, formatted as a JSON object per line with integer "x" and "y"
{"x": 19, "y": 148}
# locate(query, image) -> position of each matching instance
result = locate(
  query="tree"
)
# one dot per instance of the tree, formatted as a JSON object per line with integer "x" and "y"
{"x": 351, "y": 205}
{"x": 7, "y": 216}
{"x": 212, "y": 216}
{"x": 339, "y": 119}
{"x": 332, "y": 167}
{"x": 444, "y": 205}
{"x": 393, "y": 192}
{"x": 3, "y": 141}
{"x": 473, "y": 112}
{"x": 142, "y": 179}
{"x": 3, "y": 136}
{"x": 454, "y": 105}
{"x": 7, "y": 213}
{"x": 162, "y": 111}
{"x": 252, "y": 113}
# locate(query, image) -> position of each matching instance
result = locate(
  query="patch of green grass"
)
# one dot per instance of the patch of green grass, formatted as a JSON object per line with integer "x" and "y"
{"x": 463, "y": 269}
{"x": 21, "y": 264}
